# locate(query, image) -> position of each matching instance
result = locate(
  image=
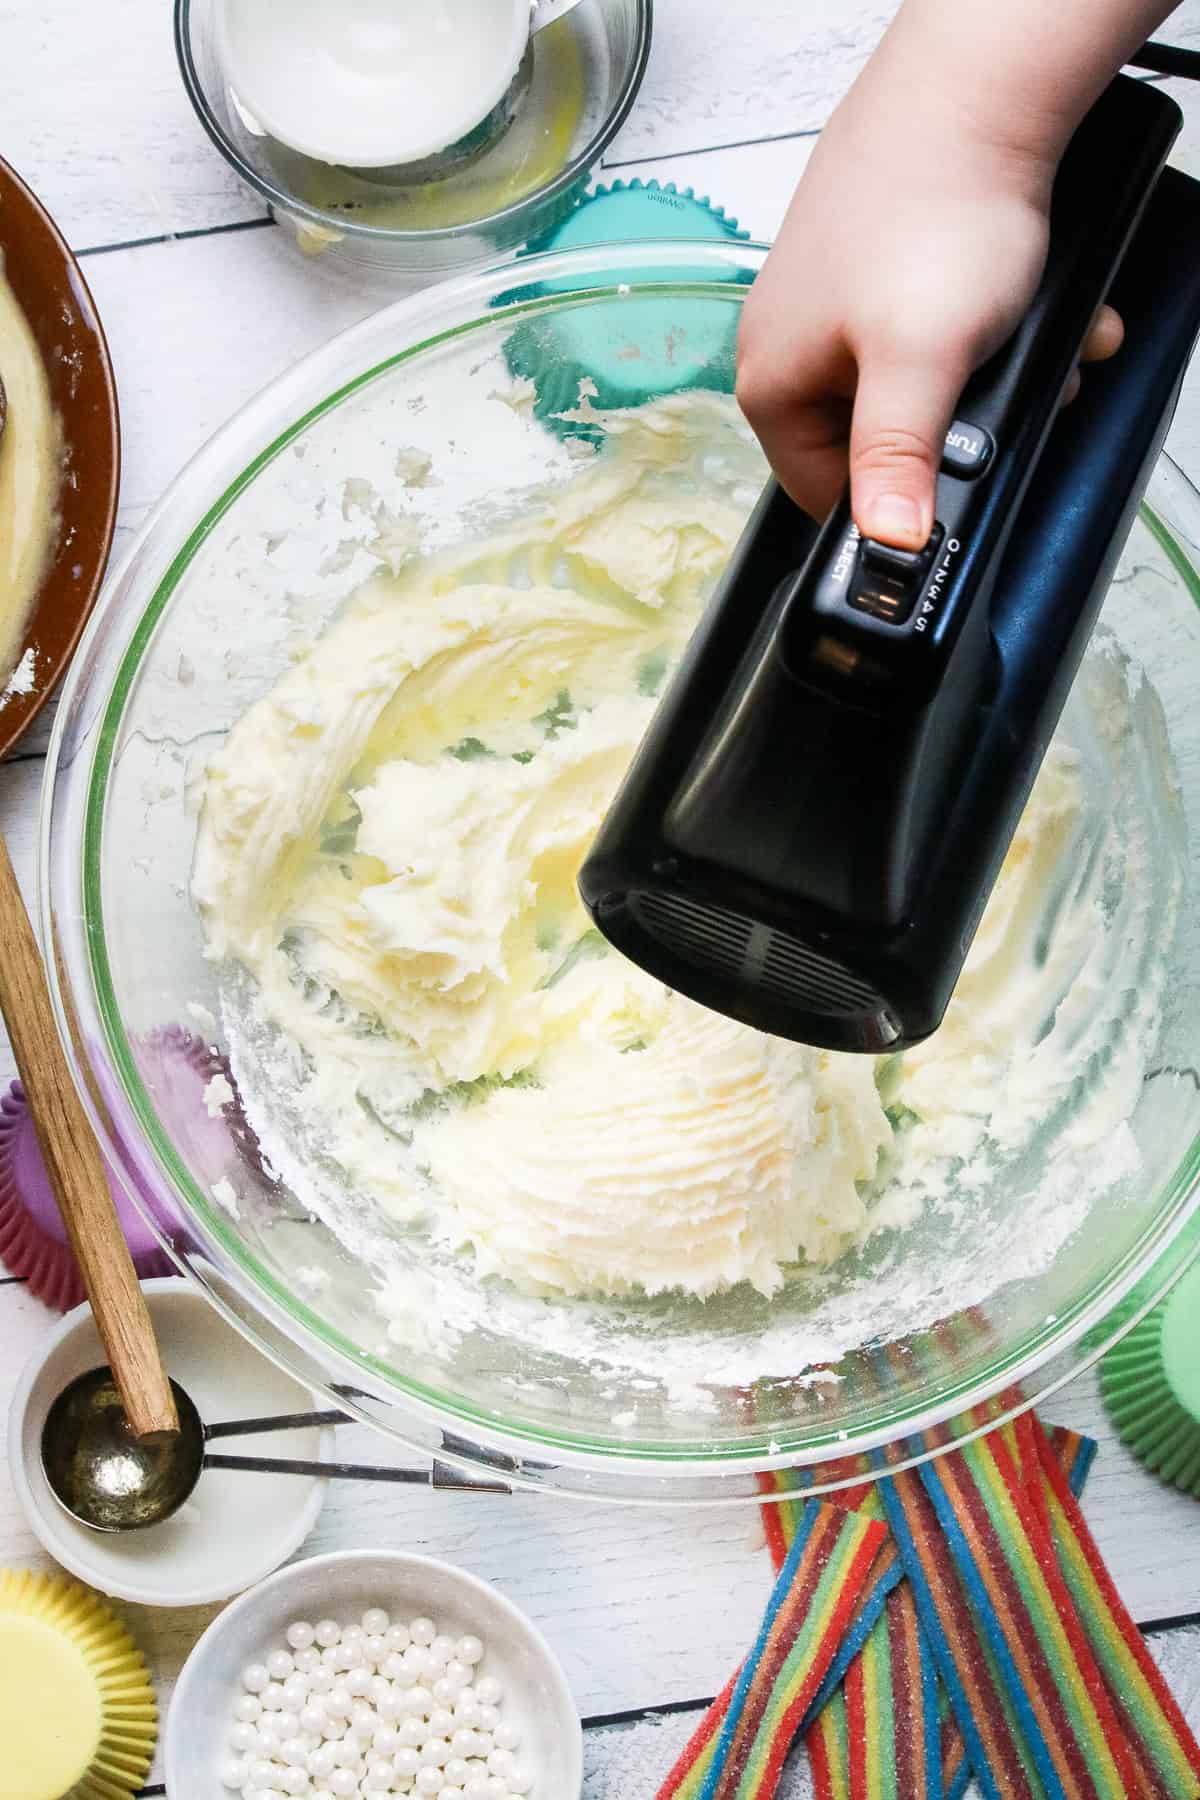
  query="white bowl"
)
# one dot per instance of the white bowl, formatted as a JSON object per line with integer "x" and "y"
{"x": 236, "y": 1527}
{"x": 342, "y": 1586}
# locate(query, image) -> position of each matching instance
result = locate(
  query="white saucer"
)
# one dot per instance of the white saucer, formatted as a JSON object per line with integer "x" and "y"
{"x": 236, "y": 1527}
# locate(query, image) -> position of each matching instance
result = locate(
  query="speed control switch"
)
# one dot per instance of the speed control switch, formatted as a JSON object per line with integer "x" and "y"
{"x": 888, "y": 582}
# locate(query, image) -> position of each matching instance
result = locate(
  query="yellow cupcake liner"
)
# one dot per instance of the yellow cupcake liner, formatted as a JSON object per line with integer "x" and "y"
{"x": 78, "y": 1717}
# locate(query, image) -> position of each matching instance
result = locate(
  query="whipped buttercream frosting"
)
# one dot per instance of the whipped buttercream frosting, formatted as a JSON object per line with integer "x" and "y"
{"x": 387, "y": 854}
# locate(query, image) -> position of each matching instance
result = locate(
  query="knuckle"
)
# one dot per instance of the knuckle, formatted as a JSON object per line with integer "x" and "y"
{"x": 760, "y": 393}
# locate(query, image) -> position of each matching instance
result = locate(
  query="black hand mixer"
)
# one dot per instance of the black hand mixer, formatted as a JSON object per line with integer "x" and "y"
{"x": 810, "y": 831}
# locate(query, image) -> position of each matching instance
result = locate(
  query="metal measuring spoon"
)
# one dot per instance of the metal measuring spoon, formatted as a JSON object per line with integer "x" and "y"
{"x": 109, "y": 1479}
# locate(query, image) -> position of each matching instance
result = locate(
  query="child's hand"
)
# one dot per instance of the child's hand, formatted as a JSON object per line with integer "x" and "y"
{"x": 911, "y": 250}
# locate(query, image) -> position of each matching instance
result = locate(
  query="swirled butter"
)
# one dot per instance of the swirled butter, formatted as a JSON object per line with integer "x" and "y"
{"x": 388, "y": 846}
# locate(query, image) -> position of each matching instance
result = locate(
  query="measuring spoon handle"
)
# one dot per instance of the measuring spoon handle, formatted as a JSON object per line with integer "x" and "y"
{"x": 77, "y": 1174}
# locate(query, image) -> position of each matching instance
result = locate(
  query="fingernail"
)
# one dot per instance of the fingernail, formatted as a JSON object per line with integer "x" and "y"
{"x": 896, "y": 518}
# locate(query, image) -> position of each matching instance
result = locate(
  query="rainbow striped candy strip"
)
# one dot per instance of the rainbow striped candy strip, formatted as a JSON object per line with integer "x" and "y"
{"x": 840, "y": 1759}
{"x": 1164, "y": 1751}
{"x": 739, "y": 1749}
{"x": 1050, "y": 1683}
{"x": 891, "y": 1733}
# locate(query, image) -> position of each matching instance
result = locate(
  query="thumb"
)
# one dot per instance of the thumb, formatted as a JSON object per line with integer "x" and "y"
{"x": 902, "y": 411}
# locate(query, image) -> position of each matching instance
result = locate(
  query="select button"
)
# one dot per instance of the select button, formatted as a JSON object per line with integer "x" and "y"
{"x": 968, "y": 450}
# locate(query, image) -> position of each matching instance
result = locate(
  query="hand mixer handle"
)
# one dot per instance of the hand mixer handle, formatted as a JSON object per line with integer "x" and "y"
{"x": 806, "y": 837}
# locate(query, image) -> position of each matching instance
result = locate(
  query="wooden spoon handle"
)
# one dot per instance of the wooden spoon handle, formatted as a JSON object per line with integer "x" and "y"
{"x": 77, "y": 1173}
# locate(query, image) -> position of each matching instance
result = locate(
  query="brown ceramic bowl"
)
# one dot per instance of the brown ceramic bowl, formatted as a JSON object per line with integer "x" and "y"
{"x": 54, "y": 297}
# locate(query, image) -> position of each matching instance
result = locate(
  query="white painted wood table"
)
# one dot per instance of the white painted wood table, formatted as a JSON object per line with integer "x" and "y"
{"x": 204, "y": 301}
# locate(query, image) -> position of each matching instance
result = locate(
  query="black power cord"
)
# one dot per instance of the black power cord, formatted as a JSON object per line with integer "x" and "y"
{"x": 1167, "y": 59}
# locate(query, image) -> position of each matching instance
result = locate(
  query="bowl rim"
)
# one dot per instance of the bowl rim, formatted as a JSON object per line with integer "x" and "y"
{"x": 21, "y": 710}
{"x": 588, "y": 1463}
{"x": 174, "y": 1746}
{"x": 61, "y": 1548}
{"x": 277, "y": 196}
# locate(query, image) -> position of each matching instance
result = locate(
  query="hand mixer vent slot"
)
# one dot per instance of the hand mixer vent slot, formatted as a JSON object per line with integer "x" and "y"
{"x": 727, "y": 944}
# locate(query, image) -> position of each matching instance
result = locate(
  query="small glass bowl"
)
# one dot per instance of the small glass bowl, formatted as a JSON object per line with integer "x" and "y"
{"x": 510, "y": 182}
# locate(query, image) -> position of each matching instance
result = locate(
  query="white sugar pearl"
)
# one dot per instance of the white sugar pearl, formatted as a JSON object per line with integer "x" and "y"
{"x": 321, "y": 1763}
{"x": 378, "y": 1781}
{"x": 407, "y": 1760}
{"x": 397, "y": 1637}
{"x": 445, "y": 1691}
{"x": 255, "y": 1677}
{"x": 488, "y": 1691}
{"x": 345, "y": 1656}
{"x": 343, "y": 1784}
{"x": 442, "y": 1648}
{"x": 270, "y": 1732}
{"x": 353, "y": 1635}
{"x": 484, "y": 1744}
{"x": 463, "y": 1743}
{"x": 422, "y": 1630}
{"x": 243, "y": 1739}
{"x": 412, "y": 1732}
{"x": 467, "y": 1708}
{"x": 416, "y": 1662}
{"x": 520, "y": 1779}
{"x": 506, "y": 1736}
{"x": 442, "y": 1722}
{"x": 421, "y": 1702}
{"x": 295, "y": 1692}
{"x": 312, "y": 1717}
{"x": 375, "y": 1621}
{"x": 375, "y": 1648}
{"x": 294, "y": 1752}
{"x": 280, "y": 1664}
{"x": 497, "y": 1788}
{"x": 476, "y": 1788}
{"x": 331, "y": 1656}
{"x": 247, "y": 1708}
{"x": 392, "y": 1667}
{"x": 489, "y": 1717}
{"x": 362, "y": 1714}
{"x": 334, "y": 1729}
{"x": 295, "y": 1781}
{"x": 435, "y": 1753}
{"x": 321, "y": 1680}
{"x": 390, "y": 1707}
{"x": 457, "y": 1771}
{"x": 459, "y": 1673}
{"x": 234, "y": 1773}
{"x": 450, "y": 1793}
{"x": 346, "y": 1754}
{"x": 327, "y": 1632}
{"x": 272, "y": 1696}
{"x": 308, "y": 1660}
{"x": 469, "y": 1650}
{"x": 262, "y": 1774}
{"x": 358, "y": 1681}
{"x": 338, "y": 1703}
{"x": 300, "y": 1635}
{"x": 429, "y": 1781}
{"x": 501, "y": 1762}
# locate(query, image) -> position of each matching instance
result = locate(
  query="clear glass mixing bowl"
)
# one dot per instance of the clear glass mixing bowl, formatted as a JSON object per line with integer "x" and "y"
{"x": 262, "y": 537}
{"x": 576, "y": 86}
